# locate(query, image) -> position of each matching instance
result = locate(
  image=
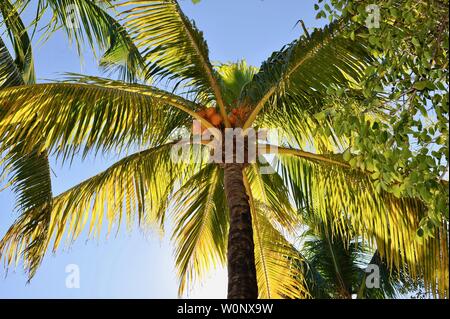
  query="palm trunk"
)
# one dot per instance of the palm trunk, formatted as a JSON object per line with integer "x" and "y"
{"x": 242, "y": 282}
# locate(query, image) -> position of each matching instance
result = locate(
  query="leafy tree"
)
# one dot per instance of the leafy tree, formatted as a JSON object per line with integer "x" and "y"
{"x": 409, "y": 155}
{"x": 410, "y": 42}
{"x": 337, "y": 266}
{"x": 222, "y": 211}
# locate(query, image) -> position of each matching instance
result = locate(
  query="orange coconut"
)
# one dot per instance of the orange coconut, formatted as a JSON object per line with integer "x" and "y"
{"x": 232, "y": 119}
{"x": 210, "y": 112}
{"x": 216, "y": 119}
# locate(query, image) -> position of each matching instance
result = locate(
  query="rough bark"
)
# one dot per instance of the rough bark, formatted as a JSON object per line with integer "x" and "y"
{"x": 242, "y": 282}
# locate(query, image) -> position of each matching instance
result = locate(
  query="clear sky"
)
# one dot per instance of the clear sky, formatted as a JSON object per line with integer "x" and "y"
{"x": 134, "y": 265}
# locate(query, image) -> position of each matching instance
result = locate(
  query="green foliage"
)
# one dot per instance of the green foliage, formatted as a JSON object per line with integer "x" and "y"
{"x": 201, "y": 225}
{"x": 409, "y": 153}
{"x": 20, "y": 41}
{"x": 132, "y": 114}
{"x": 337, "y": 265}
{"x": 234, "y": 77}
{"x": 347, "y": 153}
{"x": 281, "y": 82}
{"x": 28, "y": 171}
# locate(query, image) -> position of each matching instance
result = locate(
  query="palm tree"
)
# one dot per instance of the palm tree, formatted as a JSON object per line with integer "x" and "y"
{"x": 336, "y": 266}
{"x": 222, "y": 211}
{"x": 30, "y": 171}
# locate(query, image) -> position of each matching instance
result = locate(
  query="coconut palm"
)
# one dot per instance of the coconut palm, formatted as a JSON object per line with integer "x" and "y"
{"x": 337, "y": 266}
{"x": 222, "y": 212}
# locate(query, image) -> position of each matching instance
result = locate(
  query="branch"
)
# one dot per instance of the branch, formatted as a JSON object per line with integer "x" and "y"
{"x": 306, "y": 155}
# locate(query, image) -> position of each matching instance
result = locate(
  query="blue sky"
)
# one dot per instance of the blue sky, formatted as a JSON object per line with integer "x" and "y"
{"x": 136, "y": 265}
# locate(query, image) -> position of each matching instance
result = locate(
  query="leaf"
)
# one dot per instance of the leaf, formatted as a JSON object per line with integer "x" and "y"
{"x": 201, "y": 225}
{"x": 95, "y": 114}
{"x": 277, "y": 261}
{"x": 342, "y": 197}
{"x": 421, "y": 85}
{"x": 28, "y": 172}
{"x": 134, "y": 189}
{"x": 297, "y": 77}
{"x": 172, "y": 46}
{"x": 347, "y": 155}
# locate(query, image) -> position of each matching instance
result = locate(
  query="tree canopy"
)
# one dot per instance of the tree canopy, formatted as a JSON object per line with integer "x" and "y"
{"x": 363, "y": 113}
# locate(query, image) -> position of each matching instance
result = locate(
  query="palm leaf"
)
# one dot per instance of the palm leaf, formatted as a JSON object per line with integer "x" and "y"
{"x": 201, "y": 225}
{"x": 391, "y": 281}
{"x": 123, "y": 58}
{"x": 269, "y": 191}
{"x": 85, "y": 21}
{"x": 277, "y": 261}
{"x": 233, "y": 78}
{"x": 172, "y": 45}
{"x": 300, "y": 74}
{"x": 339, "y": 264}
{"x": 29, "y": 172}
{"x": 335, "y": 258}
{"x": 335, "y": 264}
{"x": 21, "y": 43}
{"x": 136, "y": 188}
{"x": 9, "y": 73}
{"x": 388, "y": 222}
{"x": 106, "y": 115}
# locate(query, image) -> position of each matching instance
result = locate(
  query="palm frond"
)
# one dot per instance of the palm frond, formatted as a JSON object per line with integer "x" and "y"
{"x": 379, "y": 217}
{"x": 335, "y": 258}
{"x": 335, "y": 264}
{"x": 136, "y": 188}
{"x": 89, "y": 22}
{"x": 270, "y": 191}
{"x": 28, "y": 172}
{"x": 391, "y": 281}
{"x": 9, "y": 73}
{"x": 277, "y": 260}
{"x": 299, "y": 75}
{"x": 172, "y": 45}
{"x": 201, "y": 225}
{"x": 339, "y": 264}
{"x": 19, "y": 38}
{"x": 29, "y": 177}
{"x": 318, "y": 287}
{"x": 123, "y": 58}
{"x": 233, "y": 79}
{"x": 31, "y": 182}
{"x": 70, "y": 117}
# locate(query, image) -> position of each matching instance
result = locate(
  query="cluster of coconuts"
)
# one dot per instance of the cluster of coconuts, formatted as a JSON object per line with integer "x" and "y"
{"x": 210, "y": 114}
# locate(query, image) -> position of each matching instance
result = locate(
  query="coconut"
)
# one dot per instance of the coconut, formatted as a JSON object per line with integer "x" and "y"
{"x": 210, "y": 112}
{"x": 216, "y": 119}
